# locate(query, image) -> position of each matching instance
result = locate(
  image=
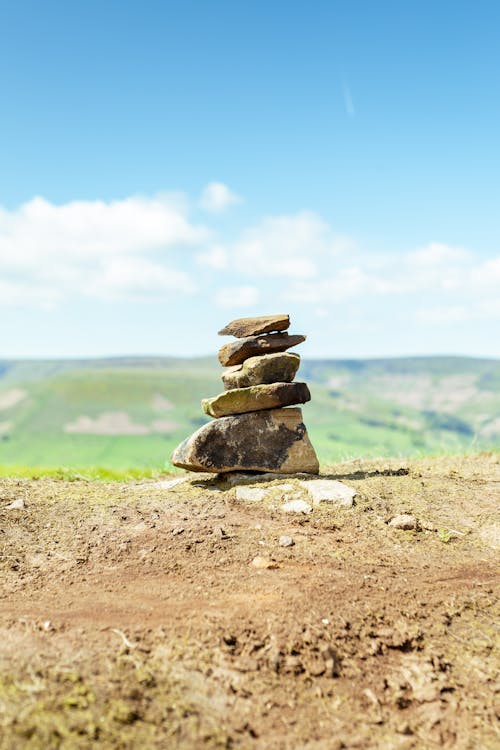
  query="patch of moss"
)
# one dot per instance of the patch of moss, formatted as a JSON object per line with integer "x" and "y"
{"x": 72, "y": 474}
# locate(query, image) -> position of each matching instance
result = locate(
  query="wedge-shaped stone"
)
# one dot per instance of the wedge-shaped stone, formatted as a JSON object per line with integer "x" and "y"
{"x": 274, "y": 440}
{"x": 238, "y": 351}
{"x": 269, "y": 368}
{"x": 255, "y": 398}
{"x": 253, "y": 326}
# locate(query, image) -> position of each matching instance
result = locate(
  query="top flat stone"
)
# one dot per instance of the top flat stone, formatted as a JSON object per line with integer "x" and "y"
{"x": 243, "y": 327}
{"x": 238, "y": 351}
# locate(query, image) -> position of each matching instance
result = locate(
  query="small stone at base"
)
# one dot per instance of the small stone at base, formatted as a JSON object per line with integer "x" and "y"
{"x": 252, "y": 494}
{"x": 18, "y": 504}
{"x": 404, "y": 521}
{"x": 297, "y": 506}
{"x": 264, "y": 563}
{"x": 329, "y": 491}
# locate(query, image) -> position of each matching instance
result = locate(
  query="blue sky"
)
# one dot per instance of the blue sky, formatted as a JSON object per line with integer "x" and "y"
{"x": 168, "y": 166}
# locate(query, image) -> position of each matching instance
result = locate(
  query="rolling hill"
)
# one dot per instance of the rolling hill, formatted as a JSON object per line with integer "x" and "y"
{"x": 129, "y": 413}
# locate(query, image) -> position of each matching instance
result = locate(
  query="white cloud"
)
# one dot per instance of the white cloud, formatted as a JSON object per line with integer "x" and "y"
{"x": 217, "y": 197}
{"x": 438, "y": 254}
{"x": 142, "y": 248}
{"x": 288, "y": 246}
{"x": 487, "y": 275}
{"x": 455, "y": 274}
{"x": 18, "y": 293}
{"x": 347, "y": 283}
{"x": 137, "y": 278}
{"x": 475, "y": 311}
{"x": 215, "y": 257}
{"x": 49, "y": 252}
{"x": 87, "y": 229}
{"x": 443, "y": 314}
{"x": 237, "y": 296}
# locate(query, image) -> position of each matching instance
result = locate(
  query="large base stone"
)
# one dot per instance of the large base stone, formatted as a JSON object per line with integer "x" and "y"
{"x": 280, "y": 367}
{"x": 274, "y": 440}
{"x": 255, "y": 398}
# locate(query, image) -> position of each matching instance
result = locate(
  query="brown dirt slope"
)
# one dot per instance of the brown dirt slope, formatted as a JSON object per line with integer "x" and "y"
{"x": 131, "y": 615}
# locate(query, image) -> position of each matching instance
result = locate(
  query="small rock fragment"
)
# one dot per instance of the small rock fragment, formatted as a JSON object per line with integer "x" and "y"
{"x": 233, "y": 478}
{"x": 264, "y": 563}
{"x": 427, "y": 526}
{"x": 490, "y": 534}
{"x": 252, "y": 494}
{"x": 269, "y": 476}
{"x": 167, "y": 484}
{"x": 332, "y": 662}
{"x": 329, "y": 491}
{"x": 286, "y": 541}
{"x": 282, "y": 487}
{"x": 17, "y": 504}
{"x": 297, "y": 506}
{"x": 404, "y": 521}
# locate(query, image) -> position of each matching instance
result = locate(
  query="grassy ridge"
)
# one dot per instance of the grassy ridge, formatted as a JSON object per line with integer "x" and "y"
{"x": 392, "y": 407}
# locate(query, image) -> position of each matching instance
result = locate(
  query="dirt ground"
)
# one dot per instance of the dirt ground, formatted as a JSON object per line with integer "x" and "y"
{"x": 134, "y": 616}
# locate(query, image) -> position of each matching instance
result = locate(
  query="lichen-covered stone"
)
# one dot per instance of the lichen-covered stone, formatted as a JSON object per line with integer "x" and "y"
{"x": 253, "y": 326}
{"x": 255, "y": 398}
{"x": 269, "y": 368}
{"x": 275, "y": 440}
{"x": 238, "y": 351}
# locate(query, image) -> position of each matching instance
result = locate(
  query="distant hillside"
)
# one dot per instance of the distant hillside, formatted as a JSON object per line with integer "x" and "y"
{"x": 131, "y": 412}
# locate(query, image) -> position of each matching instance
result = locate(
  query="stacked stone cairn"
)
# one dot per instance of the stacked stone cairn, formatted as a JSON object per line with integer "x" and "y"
{"x": 252, "y": 429}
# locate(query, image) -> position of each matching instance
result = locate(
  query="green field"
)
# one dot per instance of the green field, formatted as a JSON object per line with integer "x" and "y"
{"x": 130, "y": 413}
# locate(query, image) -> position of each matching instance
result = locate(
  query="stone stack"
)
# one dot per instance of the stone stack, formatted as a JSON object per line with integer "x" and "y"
{"x": 252, "y": 430}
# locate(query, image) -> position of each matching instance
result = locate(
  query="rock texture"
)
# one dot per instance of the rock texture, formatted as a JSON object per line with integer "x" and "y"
{"x": 274, "y": 440}
{"x": 269, "y": 368}
{"x": 330, "y": 491}
{"x": 255, "y": 398}
{"x": 253, "y": 326}
{"x": 238, "y": 351}
{"x": 252, "y": 494}
{"x": 297, "y": 506}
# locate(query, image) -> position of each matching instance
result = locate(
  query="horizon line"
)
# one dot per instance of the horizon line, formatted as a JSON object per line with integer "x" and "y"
{"x": 98, "y": 357}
